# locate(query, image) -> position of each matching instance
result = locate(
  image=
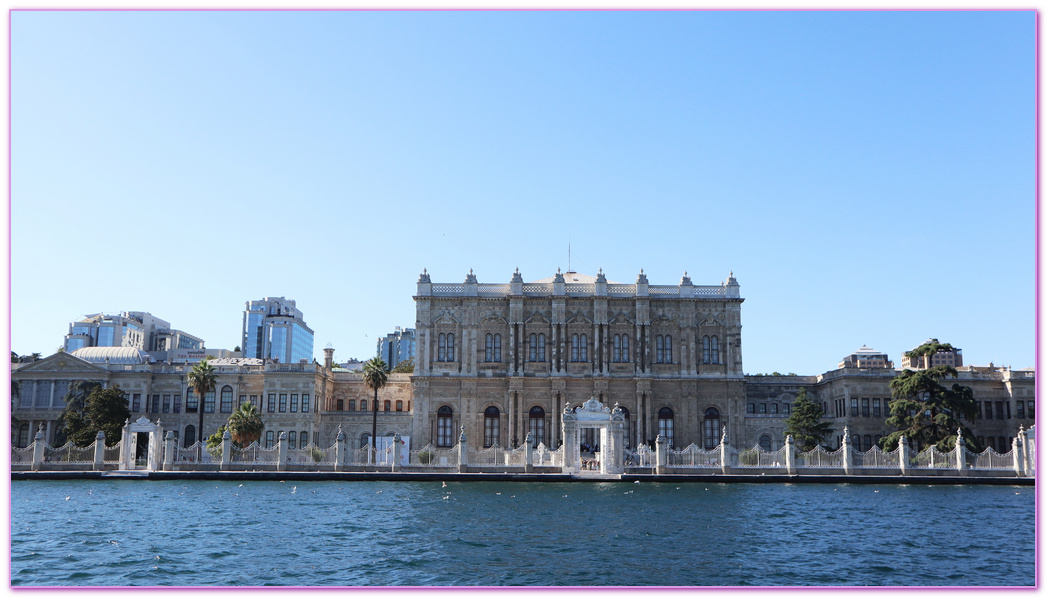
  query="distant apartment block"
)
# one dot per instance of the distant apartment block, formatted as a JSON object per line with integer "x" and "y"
{"x": 952, "y": 358}
{"x": 137, "y": 329}
{"x": 397, "y": 346}
{"x": 866, "y": 357}
{"x": 275, "y": 329}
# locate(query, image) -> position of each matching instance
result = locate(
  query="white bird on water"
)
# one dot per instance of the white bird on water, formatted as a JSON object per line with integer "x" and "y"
{"x": 294, "y": 489}
{"x": 445, "y": 485}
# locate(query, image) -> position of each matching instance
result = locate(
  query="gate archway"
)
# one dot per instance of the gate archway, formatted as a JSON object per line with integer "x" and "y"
{"x": 129, "y": 444}
{"x": 610, "y": 423}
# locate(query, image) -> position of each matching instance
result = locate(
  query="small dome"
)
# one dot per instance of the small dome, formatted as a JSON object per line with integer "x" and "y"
{"x": 114, "y": 355}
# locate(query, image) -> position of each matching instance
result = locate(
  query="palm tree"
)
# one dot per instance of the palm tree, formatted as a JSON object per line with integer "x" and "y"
{"x": 202, "y": 380}
{"x": 376, "y": 374}
{"x": 245, "y": 425}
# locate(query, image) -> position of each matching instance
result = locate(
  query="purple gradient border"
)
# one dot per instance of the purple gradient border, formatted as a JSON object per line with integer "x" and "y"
{"x": 1036, "y": 201}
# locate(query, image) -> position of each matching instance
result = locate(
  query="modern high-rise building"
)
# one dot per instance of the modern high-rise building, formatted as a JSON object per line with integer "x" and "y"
{"x": 397, "y": 346}
{"x": 137, "y": 329}
{"x": 866, "y": 357}
{"x": 274, "y": 329}
{"x": 953, "y": 358}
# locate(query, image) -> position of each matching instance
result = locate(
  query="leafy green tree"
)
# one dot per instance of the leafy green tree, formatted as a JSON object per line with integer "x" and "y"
{"x": 76, "y": 397}
{"x": 376, "y": 374}
{"x": 928, "y": 413}
{"x": 805, "y": 423}
{"x": 214, "y": 442}
{"x": 404, "y": 367}
{"x": 202, "y": 379}
{"x": 104, "y": 409}
{"x": 245, "y": 424}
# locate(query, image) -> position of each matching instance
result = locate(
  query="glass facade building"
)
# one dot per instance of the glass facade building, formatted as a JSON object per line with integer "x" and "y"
{"x": 275, "y": 329}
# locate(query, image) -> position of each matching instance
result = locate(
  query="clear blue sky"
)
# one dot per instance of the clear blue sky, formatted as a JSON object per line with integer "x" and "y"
{"x": 868, "y": 176}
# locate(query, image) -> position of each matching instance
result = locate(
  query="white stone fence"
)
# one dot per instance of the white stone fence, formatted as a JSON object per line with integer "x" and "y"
{"x": 1019, "y": 461}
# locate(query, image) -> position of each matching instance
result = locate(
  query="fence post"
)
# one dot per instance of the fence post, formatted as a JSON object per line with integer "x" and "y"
{"x": 339, "y": 450}
{"x": 724, "y": 466}
{"x": 281, "y": 448}
{"x": 99, "y": 450}
{"x": 961, "y": 457}
{"x": 1026, "y": 460}
{"x": 397, "y": 448}
{"x": 1016, "y": 453}
{"x": 846, "y": 451}
{"x": 789, "y": 447}
{"x": 528, "y": 455}
{"x": 169, "y": 450}
{"x": 463, "y": 453}
{"x": 661, "y": 454}
{"x": 227, "y": 449}
{"x": 38, "y": 449}
{"x": 903, "y": 454}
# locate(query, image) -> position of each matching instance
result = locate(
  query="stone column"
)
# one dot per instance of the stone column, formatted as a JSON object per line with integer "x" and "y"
{"x": 339, "y": 450}
{"x": 961, "y": 457}
{"x": 789, "y": 448}
{"x": 38, "y": 449}
{"x": 528, "y": 453}
{"x": 463, "y": 452}
{"x": 846, "y": 451}
{"x": 227, "y": 450}
{"x": 725, "y": 466}
{"x": 281, "y": 448}
{"x": 99, "y": 450}
{"x": 511, "y": 436}
{"x": 169, "y": 450}
{"x": 661, "y": 454}
{"x": 903, "y": 454}
{"x": 397, "y": 450}
{"x": 127, "y": 449}
{"x": 569, "y": 451}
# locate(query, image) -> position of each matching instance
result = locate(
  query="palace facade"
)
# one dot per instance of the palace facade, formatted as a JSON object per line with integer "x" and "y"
{"x": 505, "y": 360}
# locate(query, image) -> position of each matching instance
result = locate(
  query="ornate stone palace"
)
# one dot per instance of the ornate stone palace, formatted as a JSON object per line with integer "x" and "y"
{"x": 504, "y": 360}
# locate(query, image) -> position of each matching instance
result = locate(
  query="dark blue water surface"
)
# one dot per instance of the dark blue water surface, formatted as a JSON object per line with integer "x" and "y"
{"x": 126, "y": 532}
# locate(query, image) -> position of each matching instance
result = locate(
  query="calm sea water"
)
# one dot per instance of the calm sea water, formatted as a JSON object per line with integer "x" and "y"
{"x": 484, "y": 533}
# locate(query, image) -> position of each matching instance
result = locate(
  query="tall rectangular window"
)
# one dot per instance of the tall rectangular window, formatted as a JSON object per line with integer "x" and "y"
{"x": 865, "y": 407}
{"x": 167, "y": 403}
{"x": 876, "y": 407}
{"x": 854, "y": 407}
{"x": 209, "y": 402}
{"x": 283, "y": 403}
{"x": 294, "y": 403}
{"x": 1021, "y": 409}
{"x": 305, "y": 403}
{"x": 271, "y": 403}
{"x": 999, "y": 409}
{"x": 136, "y": 402}
{"x": 177, "y": 407}
{"x": 243, "y": 399}
{"x": 156, "y": 404}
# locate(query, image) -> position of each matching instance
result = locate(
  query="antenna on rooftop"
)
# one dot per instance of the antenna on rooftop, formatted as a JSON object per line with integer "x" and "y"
{"x": 569, "y": 254}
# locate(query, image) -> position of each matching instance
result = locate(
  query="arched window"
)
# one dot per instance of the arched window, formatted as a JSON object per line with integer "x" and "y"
{"x": 303, "y": 439}
{"x": 489, "y": 347}
{"x": 399, "y": 405}
{"x": 227, "y": 399}
{"x": 270, "y": 439}
{"x": 868, "y": 441}
{"x": 714, "y": 345}
{"x": 574, "y": 347}
{"x": 659, "y": 349}
{"x": 765, "y": 443}
{"x": 705, "y": 349}
{"x": 450, "y": 347}
{"x": 712, "y": 428}
{"x": 532, "y": 347}
{"x": 583, "y": 350}
{"x": 23, "y": 436}
{"x": 292, "y": 439}
{"x": 665, "y": 424}
{"x": 497, "y": 347}
{"x": 616, "y": 348}
{"x": 190, "y": 436}
{"x": 365, "y": 439}
{"x": 492, "y": 425}
{"x": 386, "y": 405}
{"x": 444, "y": 426}
{"x": 541, "y": 347}
{"x": 536, "y": 425}
{"x": 441, "y": 348}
